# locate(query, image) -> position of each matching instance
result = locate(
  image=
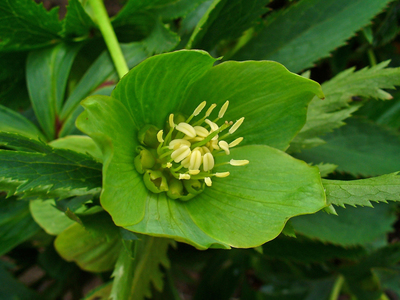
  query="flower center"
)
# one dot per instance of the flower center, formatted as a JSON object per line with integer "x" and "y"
{"x": 181, "y": 162}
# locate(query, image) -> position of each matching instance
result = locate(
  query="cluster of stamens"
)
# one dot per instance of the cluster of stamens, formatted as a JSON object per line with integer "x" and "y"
{"x": 184, "y": 158}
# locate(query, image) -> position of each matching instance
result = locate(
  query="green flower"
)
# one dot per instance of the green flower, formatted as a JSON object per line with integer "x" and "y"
{"x": 188, "y": 195}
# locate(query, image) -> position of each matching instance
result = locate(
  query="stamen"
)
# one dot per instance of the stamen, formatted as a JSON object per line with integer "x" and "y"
{"x": 186, "y": 129}
{"x": 210, "y": 109}
{"x": 171, "y": 121}
{"x": 234, "y": 162}
{"x": 208, "y": 181}
{"x": 235, "y": 142}
{"x": 208, "y": 162}
{"x": 160, "y": 136}
{"x": 201, "y": 131}
{"x": 222, "y": 174}
{"x": 175, "y": 144}
{"x": 186, "y": 162}
{"x": 194, "y": 172}
{"x": 169, "y": 165}
{"x": 184, "y": 176}
{"x": 224, "y": 146}
{"x": 199, "y": 108}
{"x": 236, "y": 125}
{"x": 181, "y": 153}
{"x": 214, "y": 144}
{"x": 195, "y": 160}
{"x": 223, "y": 110}
{"x": 214, "y": 127}
{"x": 205, "y": 149}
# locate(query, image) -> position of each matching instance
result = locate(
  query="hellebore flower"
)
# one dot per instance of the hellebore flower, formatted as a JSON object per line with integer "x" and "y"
{"x": 170, "y": 170}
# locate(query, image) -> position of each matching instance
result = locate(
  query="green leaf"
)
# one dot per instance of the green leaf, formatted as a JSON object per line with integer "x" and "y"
{"x": 52, "y": 220}
{"x": 309, "y": 30}
{"x": 304, "y": 250}
{"x": 227, "y": 22}
{"x": 49, "y": 173}
{"x": 324, "y": 116}
{"x": 389, "y": 278}
{"x": 26, "y": 25}
{"x": 133, "y": 276}
{"x": 16, "y": 223}
{"x": 12, "y": 121}
{"x": 77, "y": 22}
{"x": 176, "y": 9}
{"x": 274, "y": 109}
{"x": 361, "y": 192}
{"x": 100, "y": 293}
{"x": 98, "y": 72}
{"x": 94, "y": 248}
{"x": 47, "y": 75}
{"x": 78, "y": 143}
{"x": 352, "y": 226}
{"x": 176, "y": 83}
{"x": 360, "y": 147}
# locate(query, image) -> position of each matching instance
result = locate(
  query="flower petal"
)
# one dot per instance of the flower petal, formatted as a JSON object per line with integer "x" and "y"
{"x": 272, "y": 100}
{"x": 252, "y": 205}
{"x": 155, "y": 88}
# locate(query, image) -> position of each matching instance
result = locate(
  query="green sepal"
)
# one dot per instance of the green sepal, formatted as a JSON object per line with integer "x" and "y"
{"x": 155, "y": 181}
{"x": 148, "y": 136}
{"x": 194, "y": 186}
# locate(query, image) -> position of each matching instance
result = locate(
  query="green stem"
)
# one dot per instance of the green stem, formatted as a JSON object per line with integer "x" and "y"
{"x": 337, "y": 287}
{"x": 103, "y": 21}
{"x": 371, "y": 56}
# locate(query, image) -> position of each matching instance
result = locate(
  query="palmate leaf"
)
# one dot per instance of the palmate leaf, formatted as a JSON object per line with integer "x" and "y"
{"x": 226, "y": 20}
{"x": 46, "y": 173}
{"x": 359, "y": 148}
{"x": 133, "y": 277}
{"x": 26, "y": 25}
{"x": 309, "y": 30}
{"x": 324, "y": 116}
{"x": 361, "y": 192}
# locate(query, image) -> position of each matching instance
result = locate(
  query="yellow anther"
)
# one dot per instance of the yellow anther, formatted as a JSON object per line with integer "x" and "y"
{"x": 159, "y": 136}
{"x": 186, "y": 162}
{"x": 222, "y": 174}
{"x": 210, "y": 109}
{"x": 223, "y": 109}
{"x": 171, "y": 121}
{"x": 196, "y": 139}
{"x": 208, "y": 181}
{"x": 184, "y": 176}
{"x": 195, "y": 160}
{"x": 224, "y": 146}
{"x": 235, "y": 142}
{"x": 175, "y": 144}
{"x": 201, "y": 131}
{"x": 199, "y": 108}
{"x": 213, "y": 126}
{"x": 194, "y": 172}
{"x": 208, "y": 162}
{"x": 169, "y": 165}
{"x": 181, "y": 153}
{"x": 205, "y": 149}
{"x": 214, "y": 144}
{"x": 234, "y": 162}
{"x": 236, "y": 125}
{"x": 186, "y": 129}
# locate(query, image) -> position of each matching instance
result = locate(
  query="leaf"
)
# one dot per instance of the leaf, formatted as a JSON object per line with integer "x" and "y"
{"x": 98, "y": 72}
{"x": 309, "y": 30}
{"x": 12, "y": 121}
{"x": 176, "y": 9}
{"x": 352, "y": 226}
{"x": 47, "y": 75}
{"x": 361, "y": 192}
{"x": 26, "y": 25}
{"x": 16, "y": 223}
{"x": 176, "y": 83}
{"x": 78, "y": 143}
{"x": 227, "y": 23}
{"x": 360, "y": 147}
{"x": 52, "y": 220}
{"x": 77, "y": 22}
{"x": 303, "y": 250}
{"x": 100, "y": 293}
{"x": 94, "y": 248}
{"x": 49, "y": 173}
{"x": 324, "y": 116}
